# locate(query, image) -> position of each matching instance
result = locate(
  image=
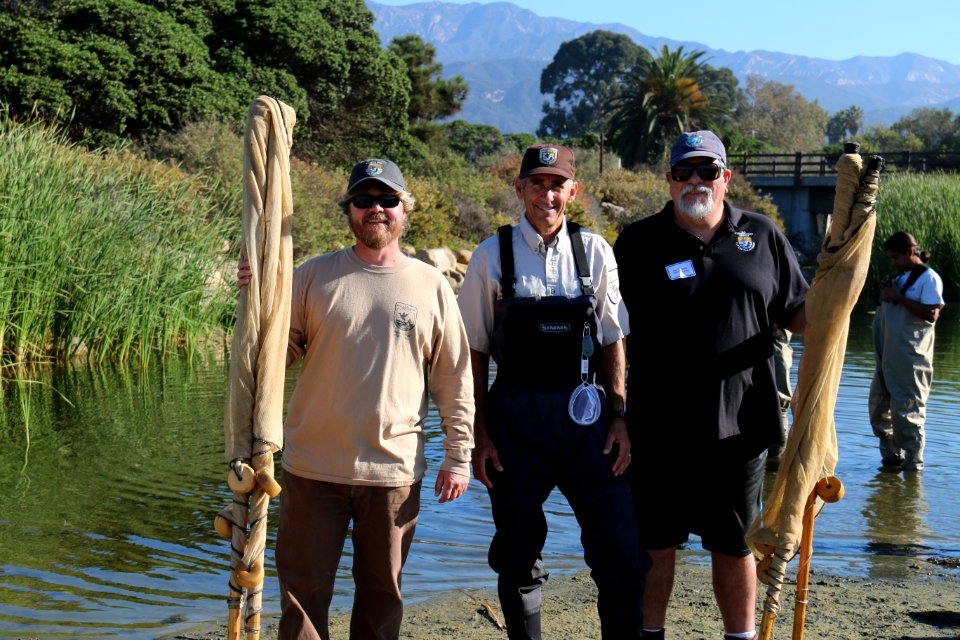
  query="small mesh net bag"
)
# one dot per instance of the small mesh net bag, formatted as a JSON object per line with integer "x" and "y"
{"x": 586, "y": 404}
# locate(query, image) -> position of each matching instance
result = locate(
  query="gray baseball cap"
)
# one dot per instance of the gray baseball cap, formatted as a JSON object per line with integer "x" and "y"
{"x": 698, "y": 144}
{"x": 375, "y": 170}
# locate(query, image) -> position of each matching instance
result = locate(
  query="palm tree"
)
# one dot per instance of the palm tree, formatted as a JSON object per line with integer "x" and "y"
{"x": 663, "y": 96}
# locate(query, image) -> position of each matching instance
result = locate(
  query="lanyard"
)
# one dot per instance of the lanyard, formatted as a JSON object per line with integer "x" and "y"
{"x": 585, "y": 352}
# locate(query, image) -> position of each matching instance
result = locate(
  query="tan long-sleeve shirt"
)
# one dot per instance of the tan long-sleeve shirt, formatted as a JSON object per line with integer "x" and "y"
{"x": 374, "y": 340}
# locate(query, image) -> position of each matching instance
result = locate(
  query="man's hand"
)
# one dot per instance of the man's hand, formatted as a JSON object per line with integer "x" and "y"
{"x": 243, "y": 273}
{"x": 450, "y": 486}
{"x": 889, "y": 291}
{"x": 617, "y": 435}
{"x": 483, "y": 451}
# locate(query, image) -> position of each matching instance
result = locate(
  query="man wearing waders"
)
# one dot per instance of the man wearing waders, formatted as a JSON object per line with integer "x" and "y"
{"x": 542, "y": 298}
{"x": 903, "y": 340}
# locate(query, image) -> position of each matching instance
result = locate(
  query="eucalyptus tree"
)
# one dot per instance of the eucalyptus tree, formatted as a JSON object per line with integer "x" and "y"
{"x": 937, "y": 129}
{"x": 776, "y": 114}
{"x": 584, "y": 76}
{"x": 663, "y": 96}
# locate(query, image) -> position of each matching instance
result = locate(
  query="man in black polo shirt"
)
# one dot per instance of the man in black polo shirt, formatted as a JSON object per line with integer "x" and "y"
{"x": 705, "y": 284}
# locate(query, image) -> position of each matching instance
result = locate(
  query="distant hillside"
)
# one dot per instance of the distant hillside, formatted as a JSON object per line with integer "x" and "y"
{"x": 500, "y": 49}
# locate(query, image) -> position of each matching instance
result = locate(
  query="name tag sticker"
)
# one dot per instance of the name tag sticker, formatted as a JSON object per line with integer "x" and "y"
{"x": 681, "y": 270}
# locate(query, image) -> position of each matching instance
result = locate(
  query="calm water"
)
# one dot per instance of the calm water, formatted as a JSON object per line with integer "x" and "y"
{"x": 109, "y": 482}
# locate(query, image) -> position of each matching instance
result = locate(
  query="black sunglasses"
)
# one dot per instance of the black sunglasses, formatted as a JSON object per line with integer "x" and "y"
{"x": 365, "y": 201}
{"x": 707, "y": 171}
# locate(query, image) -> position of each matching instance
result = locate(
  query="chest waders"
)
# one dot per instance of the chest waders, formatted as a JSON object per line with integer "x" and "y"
{"x": 548, "y": 343}
{"x": 545, "y": 348}
{"x": 901, "y": 382}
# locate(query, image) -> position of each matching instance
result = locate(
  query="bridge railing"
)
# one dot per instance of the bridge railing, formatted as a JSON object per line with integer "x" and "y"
{"x": 804, "y": 165}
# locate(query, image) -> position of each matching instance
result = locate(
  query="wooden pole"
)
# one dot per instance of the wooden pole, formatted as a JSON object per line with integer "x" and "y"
{"x": 828, "y": 489}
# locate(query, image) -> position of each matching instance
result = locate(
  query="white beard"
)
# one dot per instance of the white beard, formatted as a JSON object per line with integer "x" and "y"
{"x": 699, "y": 209}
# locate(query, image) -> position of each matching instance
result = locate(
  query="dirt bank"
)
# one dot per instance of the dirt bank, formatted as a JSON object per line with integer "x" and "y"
{"x": 927, "y": 605}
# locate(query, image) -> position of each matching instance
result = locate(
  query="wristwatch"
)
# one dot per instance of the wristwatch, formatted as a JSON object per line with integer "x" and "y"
{"x": 621, "y": 412}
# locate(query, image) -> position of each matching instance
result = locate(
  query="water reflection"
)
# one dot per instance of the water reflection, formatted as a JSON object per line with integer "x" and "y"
{"x": 895, "y": 513}
{"x": 106, "y": 495}
{"x": 109, "y": 481}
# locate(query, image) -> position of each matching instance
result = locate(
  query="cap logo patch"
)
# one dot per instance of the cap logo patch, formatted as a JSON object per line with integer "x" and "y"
{"x": 745, "y": 241}
{"x": 548, "y": 155}
{"x": 374, "y": 168}
{"x": 694, "y": 140}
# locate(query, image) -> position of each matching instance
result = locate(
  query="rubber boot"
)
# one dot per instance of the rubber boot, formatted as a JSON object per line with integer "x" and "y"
{"x": 890, "y": 454}
{"x": 521, "y": 611}
{"x": 621, "y": 629}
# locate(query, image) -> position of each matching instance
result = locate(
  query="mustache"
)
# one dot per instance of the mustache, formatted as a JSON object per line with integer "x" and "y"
{"x": 376, "y": 217}
{"x": 694, "y": 188}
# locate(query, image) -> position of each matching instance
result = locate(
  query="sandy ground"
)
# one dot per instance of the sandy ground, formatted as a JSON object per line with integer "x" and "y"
{"x": 923, "y": 607}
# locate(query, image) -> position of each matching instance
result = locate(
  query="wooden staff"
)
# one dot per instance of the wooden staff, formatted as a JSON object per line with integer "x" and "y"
{"x": 251, "y": 492}
{"x": 772, "y": 568}
{"x": 253, "y": 419}
{"x": 828, "y": 489}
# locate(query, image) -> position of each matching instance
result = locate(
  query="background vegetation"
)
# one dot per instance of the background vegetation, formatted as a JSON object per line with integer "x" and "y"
{"x": 925, "y": 205}
{"x": 103, "y": 254}
{"x": 121, "y": 144}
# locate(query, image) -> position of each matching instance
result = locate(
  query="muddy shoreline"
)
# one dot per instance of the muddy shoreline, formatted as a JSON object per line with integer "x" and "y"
{"x": 925, "y": 605}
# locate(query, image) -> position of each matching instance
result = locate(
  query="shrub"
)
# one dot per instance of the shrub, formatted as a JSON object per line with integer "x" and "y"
{"x": 638, "y": 193}
{"x": 318, "y": 224}
{"x": 431, "y": 223}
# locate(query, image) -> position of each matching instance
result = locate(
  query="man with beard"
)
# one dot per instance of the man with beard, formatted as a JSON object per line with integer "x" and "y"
{"x": 375, "y": 330}
{"x": 705, "y": 285}
{"x": 542, "y": 298}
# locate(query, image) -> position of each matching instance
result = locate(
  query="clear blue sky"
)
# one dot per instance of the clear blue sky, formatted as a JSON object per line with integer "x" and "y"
{"x": 831, "y": 29}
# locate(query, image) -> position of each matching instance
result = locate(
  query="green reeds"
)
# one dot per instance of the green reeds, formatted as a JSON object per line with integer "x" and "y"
{"x": 927, "y": 206}
{"x": 102, "y": 255}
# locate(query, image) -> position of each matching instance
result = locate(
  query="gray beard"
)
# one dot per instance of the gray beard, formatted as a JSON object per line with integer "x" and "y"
{"x": 697, "y": 210}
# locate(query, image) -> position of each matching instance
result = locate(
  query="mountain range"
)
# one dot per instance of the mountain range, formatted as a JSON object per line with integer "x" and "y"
{"x": 500, "y": 49}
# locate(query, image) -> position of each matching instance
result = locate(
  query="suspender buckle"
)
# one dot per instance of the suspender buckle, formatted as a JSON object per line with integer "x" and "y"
{"x": 586, "y": 284}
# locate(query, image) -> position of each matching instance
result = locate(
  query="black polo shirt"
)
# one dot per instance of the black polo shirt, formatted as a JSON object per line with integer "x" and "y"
{"x": 700, "y": 347}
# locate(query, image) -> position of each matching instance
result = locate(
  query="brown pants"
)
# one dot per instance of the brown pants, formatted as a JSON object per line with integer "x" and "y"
{"x": 314, "y": 518}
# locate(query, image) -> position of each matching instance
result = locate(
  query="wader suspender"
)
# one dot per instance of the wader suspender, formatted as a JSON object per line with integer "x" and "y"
{"x": 508, "y": 278}
{"x": 915, "y": 274}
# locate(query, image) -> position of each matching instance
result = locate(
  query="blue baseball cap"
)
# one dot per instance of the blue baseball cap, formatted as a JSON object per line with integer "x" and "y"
{"x": 698, "y": 144}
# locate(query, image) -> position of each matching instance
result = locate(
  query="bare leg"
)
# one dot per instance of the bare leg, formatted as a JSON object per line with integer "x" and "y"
{"x": 656, "y": 596}
{"x": 735, "y": 588}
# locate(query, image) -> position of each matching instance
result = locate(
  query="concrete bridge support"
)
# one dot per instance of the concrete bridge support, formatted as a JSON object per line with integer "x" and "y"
{"x": 805, "y": 206}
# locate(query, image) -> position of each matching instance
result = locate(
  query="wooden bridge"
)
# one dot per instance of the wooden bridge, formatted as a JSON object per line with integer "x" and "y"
{"x": 802, "y": 185}
{"x": 800, "y": 166}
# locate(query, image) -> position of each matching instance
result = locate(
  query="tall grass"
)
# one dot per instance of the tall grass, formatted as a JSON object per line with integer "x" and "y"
{"x": 927, "y": 206}
{"x": 102, "y": 255}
